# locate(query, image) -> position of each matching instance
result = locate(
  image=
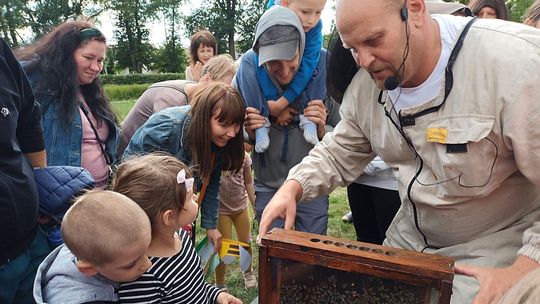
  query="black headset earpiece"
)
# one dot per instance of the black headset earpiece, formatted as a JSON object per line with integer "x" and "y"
{"x": 404, "y": 12}
{"x": 392, "y": 82}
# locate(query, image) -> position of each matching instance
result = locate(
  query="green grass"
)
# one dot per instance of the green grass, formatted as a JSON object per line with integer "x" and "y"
{"x": 338, "y": 206}
{"x": 121, "y": 108}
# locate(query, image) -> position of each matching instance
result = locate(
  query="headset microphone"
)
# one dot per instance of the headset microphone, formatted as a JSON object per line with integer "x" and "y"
{"x": 392, "y": 82}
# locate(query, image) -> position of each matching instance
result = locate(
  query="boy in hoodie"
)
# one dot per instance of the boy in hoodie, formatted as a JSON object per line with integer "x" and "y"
{"x": 106, "y": 236}
{"x": 279, "y": 46}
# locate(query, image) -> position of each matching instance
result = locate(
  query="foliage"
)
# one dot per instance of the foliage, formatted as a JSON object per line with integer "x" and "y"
{"x": 133, "y": 49}
{"x": 517, "y": 8}
{"x": 231, "y": 22}
{"x": 171, "y": 57}
{"x": 125, "y": 92}
{"x": 250, "y": 14}
{"x": 139, "y": 78}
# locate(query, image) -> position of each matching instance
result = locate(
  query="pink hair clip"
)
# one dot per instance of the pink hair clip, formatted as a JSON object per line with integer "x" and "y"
{"x": 181, "y": 179}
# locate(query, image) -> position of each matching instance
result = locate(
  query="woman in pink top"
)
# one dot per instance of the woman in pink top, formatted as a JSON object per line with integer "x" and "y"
{"x": 79, "y": 124}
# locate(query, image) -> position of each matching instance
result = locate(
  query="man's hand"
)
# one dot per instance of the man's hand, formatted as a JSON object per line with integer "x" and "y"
{"x": 316, "y": 112}
{"x": 285, "y": 117}
{"x": 494, "y": 282}
{"x": 225, "y": 298}
{"x": 214, "y": 236}
{"x": 252, "y": 121}
{"x": 282, "y": 205}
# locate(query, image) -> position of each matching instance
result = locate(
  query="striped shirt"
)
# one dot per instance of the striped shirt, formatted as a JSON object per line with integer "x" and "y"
{"x": 176, "y": 279}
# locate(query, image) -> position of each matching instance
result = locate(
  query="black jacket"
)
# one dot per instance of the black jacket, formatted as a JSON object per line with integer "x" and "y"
{"x": 20, "y": 132}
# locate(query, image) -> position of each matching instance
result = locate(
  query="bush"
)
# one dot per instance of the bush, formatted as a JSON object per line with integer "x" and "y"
{"x": 124, "y": 92}
{"x": 139, "y": 78}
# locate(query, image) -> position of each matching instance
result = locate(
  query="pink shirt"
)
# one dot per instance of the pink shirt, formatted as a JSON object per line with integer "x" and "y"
{"x": 92, "y": 158}
{"x": 232, "y": 191}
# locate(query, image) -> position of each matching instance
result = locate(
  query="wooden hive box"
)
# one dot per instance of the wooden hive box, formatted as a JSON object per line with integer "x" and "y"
{"x": 300, "y": 267}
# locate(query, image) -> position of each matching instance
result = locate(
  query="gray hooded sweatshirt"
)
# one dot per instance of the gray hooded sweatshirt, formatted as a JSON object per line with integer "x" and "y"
{"x": 59, "y": 281}
{"x": 287, "y": 144}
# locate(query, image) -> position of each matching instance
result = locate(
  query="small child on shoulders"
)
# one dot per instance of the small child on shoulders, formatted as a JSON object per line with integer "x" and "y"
{"x": 309, "y": 13}
{"x": 163, "y": 187}
{"x": 106, "y": 236}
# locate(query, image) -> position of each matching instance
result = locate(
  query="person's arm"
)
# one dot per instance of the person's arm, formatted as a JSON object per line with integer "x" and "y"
{"x": 245, "y": 81}
{"x": 248, "y": 181}
{"x": 29, "y": 129}
{"x": 158, "y": 133}
{"x": 310, "y": 61}
{"x": 37, "y": 159}
{"x": 210, "y": 206}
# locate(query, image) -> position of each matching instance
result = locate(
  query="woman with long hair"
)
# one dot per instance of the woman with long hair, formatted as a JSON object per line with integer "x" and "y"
{"x": 204, "y": 135}
{"x": 79, "y": 125}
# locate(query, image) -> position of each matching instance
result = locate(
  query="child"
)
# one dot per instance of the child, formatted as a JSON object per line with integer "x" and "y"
{"x": 163, "y": 187}
{"x": 203, "y": 46}
{"x": 233, "y": 209}
{"x": 106, "y": 236}
{"x": 205, "y": 135}
{"x": 309, "y": 13}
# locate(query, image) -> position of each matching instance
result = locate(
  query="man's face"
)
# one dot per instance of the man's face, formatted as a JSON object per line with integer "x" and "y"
{"x": 283, "y": 71}
{"x": 375, "y": 34}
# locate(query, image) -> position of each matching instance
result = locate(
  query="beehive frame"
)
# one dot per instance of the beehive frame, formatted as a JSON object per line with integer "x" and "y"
{"x": 419, "y": 269}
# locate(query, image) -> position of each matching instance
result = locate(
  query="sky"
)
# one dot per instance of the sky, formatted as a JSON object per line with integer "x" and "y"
{"x": 157, "y": 28}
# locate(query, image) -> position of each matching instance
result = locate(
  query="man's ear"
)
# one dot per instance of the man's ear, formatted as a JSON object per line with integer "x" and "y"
{"x": 86, "y": 268}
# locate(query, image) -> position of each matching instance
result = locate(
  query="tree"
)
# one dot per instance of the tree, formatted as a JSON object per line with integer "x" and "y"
{"x": 250, "y": 14}
{"x": 171, "y": 57}
{"x": 230, "y": 21}
{"x": 12, "y": 19}
{"x": 133, "y": 49}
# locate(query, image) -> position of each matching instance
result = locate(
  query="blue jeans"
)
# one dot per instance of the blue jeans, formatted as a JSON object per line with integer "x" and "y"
{"x": 17, "y": 276}
{"x": 311, "y": 216}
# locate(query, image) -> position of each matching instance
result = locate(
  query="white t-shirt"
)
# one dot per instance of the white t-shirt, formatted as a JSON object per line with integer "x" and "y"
{"x": 450, "y": 27}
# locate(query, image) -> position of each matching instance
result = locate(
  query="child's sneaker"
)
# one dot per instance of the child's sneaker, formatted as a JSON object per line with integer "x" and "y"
{"x": 250, "y": 280}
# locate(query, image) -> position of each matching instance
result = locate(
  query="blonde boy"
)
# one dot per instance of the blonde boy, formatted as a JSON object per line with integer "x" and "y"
{"x": 106, "y": 237}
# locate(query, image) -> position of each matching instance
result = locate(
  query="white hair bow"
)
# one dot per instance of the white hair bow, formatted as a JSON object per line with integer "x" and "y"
{"x": 181, "y": 179}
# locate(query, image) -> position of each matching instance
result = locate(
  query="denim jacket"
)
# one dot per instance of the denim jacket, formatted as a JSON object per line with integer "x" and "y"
{"x": 63, "y": 144}
{"x": 166, "y": 130}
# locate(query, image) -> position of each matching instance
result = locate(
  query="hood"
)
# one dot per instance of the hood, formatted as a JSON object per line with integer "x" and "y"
{"x": 59, "y": 281}
{"x": 279, "y": 15}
